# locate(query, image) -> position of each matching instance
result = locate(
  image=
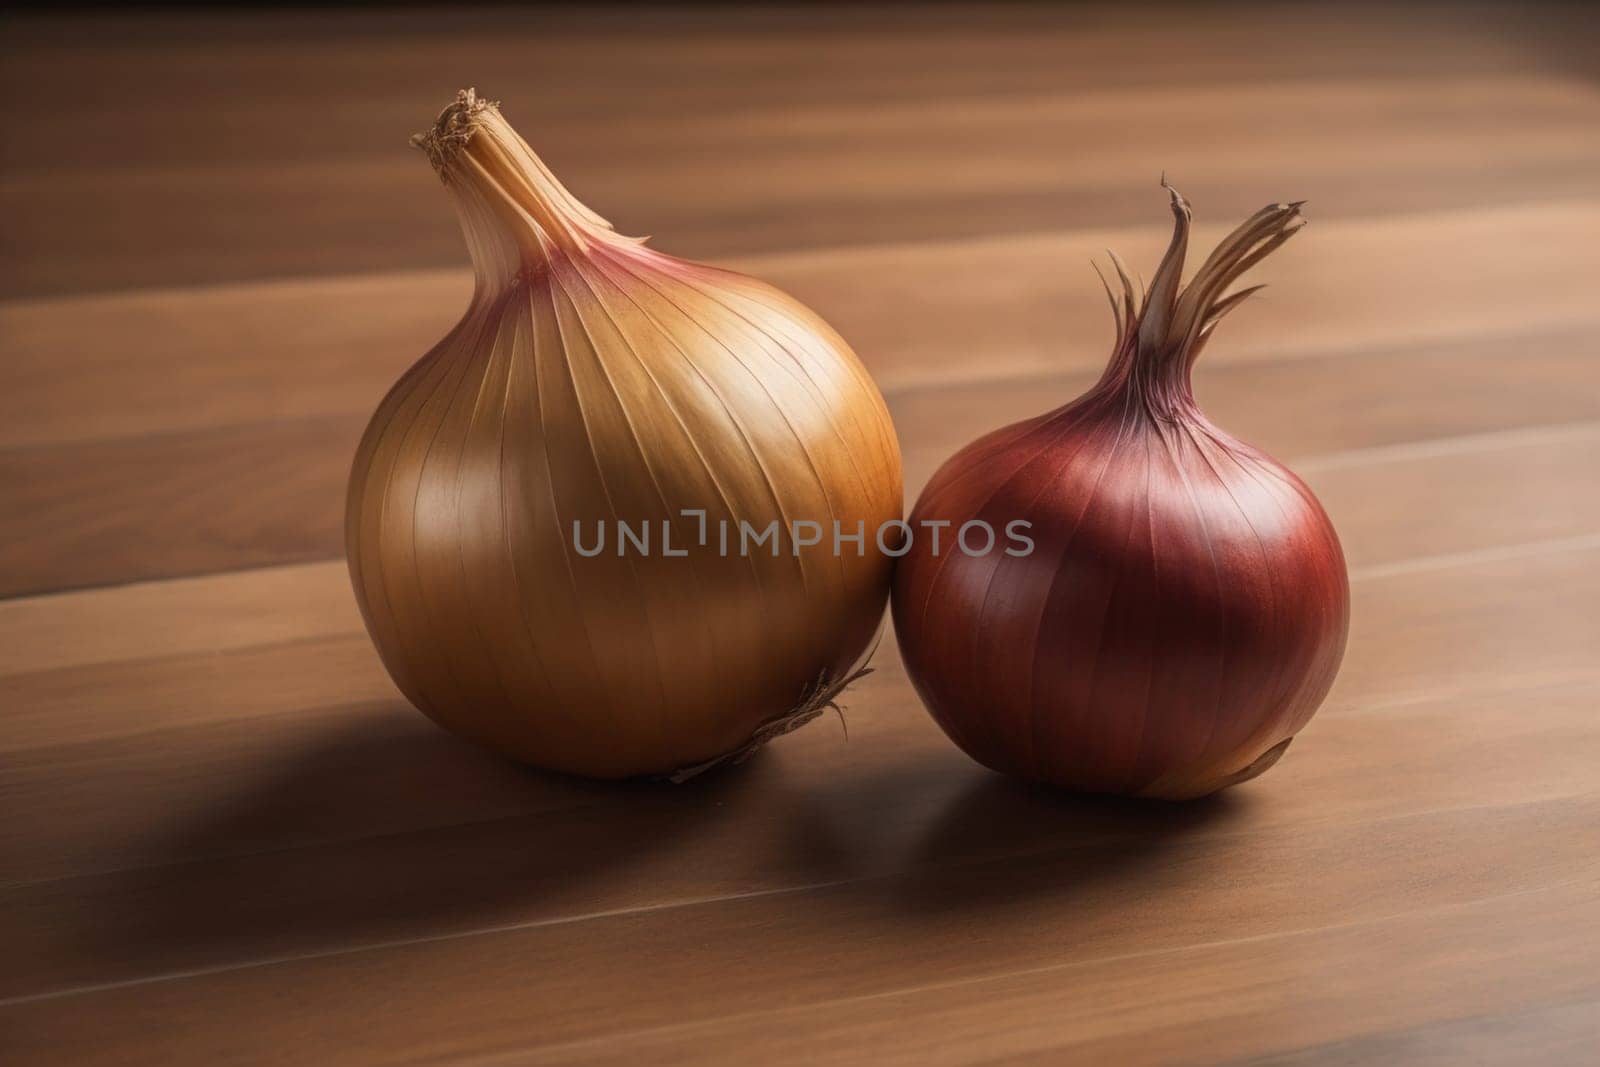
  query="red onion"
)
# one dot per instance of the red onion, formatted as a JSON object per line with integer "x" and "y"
{"x": 1184, "y": 608}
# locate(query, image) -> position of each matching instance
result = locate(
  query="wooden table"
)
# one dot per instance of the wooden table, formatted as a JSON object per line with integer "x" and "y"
{"x": 227, "y": 839}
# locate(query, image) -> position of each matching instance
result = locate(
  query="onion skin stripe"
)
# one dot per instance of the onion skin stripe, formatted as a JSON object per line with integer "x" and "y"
{"x": 594, "y": 382}
{"x": 1187, "y": 606}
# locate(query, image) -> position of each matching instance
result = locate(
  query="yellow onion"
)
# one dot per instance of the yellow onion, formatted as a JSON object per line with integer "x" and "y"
{"x": 596, "y": 385}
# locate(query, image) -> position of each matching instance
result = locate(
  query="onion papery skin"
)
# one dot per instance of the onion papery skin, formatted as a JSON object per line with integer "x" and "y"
{"x": 1185, "y": 607}
{"x": 593, "y": 380}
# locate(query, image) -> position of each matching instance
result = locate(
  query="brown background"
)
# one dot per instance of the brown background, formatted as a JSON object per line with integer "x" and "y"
{"x": 226, "y": 837}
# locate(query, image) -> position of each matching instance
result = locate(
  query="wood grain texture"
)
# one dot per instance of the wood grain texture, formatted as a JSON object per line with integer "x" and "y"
{"x": 568, "y": 981}
{"x": 1422, "y": 649}
{"x": 227, "y": 838}
{"x": 222, "y": 436}
{"x": 1248, "y": 999}
{"x": 824, "y": 130}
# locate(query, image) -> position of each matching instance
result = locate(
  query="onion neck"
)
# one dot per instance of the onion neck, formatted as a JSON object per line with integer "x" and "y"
{"x": 515, "y": 214}
{"x": 1162, "y": 330}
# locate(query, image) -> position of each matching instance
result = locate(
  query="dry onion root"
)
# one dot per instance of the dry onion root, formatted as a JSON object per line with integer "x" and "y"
{"x": 594, "y": 382}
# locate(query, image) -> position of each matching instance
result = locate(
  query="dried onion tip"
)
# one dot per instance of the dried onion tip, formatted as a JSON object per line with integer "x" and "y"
{"x": 593, "y": 385}
{"x": 1184, "y": 608}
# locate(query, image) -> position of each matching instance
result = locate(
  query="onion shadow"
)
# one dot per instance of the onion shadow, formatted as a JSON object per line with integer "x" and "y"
{"x": 1002, "y": 843}
{"x": 381, "y": 830}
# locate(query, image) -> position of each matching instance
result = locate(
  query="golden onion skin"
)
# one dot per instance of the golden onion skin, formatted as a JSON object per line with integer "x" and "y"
{"x": 594, "y": 381}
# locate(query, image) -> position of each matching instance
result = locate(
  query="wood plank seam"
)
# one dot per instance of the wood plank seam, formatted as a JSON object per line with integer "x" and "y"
{"x": 891, "y": 674}
{"x": 1453, "y": 444}
{"x": 504, "y": 928}
{"x": 1058, "y": 968}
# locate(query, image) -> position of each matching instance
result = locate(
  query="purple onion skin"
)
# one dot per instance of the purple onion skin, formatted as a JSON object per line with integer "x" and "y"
{"x": 1180, "y": 618}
